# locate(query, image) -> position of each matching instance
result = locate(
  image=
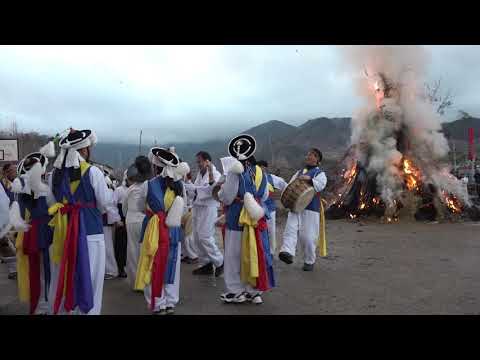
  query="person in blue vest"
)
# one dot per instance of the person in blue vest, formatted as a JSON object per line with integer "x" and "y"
{"x": 304, "y": 226}
{"x": 274, "y": 183}
{"x": 158, "y": 271}
{"x": 78, "y": 248}
{"x": 33, "y": 197}
{"x": 248, "y": 263}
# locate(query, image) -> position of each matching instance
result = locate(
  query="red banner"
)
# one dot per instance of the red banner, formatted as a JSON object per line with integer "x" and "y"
{"x": 471, "y": 147}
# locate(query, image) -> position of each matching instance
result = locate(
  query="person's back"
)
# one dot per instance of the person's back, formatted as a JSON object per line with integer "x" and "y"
{"x": 135, "y": 202}
{"x": 477, "y": 178}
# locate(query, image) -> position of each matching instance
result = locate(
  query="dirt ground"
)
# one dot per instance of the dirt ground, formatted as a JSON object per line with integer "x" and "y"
{"x": 372, "y": 268}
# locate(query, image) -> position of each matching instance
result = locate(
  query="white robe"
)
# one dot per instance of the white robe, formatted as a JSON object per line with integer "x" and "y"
{"x": 133, "y": 208}
{"x": 304, "y": 226}
{"x": 278, "y": 184}
{"x": 204, "y": 215}
{"x": 4, "y": 212}
{"x": 233, "y": 243}
{"x": 189, "y": 246}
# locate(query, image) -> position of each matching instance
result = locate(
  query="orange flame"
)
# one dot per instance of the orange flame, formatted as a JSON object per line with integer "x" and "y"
{"x": 452, "y": 203}
{"x": 412, "y": 174}
{"x": 349, "y": 175}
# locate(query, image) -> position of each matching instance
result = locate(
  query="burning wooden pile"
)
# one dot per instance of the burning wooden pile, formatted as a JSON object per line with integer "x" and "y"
{"x": 396, "y": 166}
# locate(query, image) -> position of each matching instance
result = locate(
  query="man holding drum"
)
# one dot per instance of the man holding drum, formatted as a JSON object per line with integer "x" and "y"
{"x": 304, "y": 225}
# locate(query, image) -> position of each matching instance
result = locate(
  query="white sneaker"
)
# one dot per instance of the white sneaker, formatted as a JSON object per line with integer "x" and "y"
{"x": 230, "y": 298}
{"x": 254, "y": 298}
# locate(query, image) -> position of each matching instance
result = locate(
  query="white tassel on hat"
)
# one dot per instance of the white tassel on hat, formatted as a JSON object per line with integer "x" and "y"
{"x": 17, "y": 186}
{"x": 181, "y": 171}
{"x": 237, "y": 167}
{"x": 48, "y": 150}
{"x": 255, "y": 211}
{"x": 34, "y": 178}
{"x": 174, "y": 216}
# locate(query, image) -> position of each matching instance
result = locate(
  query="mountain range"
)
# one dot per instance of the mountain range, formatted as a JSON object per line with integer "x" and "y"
{"x": 281, "y": 144}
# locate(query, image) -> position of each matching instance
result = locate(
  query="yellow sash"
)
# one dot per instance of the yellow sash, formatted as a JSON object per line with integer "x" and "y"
{"x": 22, "y": 265}
{"x": 150, "y": 244}
{"x": 249, "y": 270}
{"x": 322, "y": 239}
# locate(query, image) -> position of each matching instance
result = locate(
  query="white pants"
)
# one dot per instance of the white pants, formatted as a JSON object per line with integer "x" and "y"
{"x": 272, "y": 232}
{"x": 304, "y": 227}
{"x": 42, "y": 306}
{"x": 96, "y": 254}
{"x": 204, "y": 218}
{"x": 170, "y": 292}
{"x": 110, "y": 261}
{"x": 233, "y": 253}
{"x": 190, "y": 247}
{"x": 134, "y": 231}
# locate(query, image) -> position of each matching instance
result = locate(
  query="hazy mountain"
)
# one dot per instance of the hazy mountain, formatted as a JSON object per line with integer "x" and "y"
{"x": 282, "y": 145}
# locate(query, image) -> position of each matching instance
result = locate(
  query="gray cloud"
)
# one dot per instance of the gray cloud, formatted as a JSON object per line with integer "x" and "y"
{"x": 178, "y": 94}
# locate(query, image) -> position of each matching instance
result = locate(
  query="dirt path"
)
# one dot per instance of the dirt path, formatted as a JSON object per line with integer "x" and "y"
{"x": 404, "y": 268}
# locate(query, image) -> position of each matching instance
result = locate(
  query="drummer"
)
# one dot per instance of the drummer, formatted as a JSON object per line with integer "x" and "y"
{"x": 274, "y": 183}
{"x": 304, "y": 226}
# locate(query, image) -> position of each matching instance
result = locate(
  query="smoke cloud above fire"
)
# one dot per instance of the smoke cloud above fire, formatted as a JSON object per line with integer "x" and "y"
{"x": 397, "y": 121}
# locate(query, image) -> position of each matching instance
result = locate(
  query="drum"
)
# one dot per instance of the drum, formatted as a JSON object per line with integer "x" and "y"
{"x": 297, "y": 195}
{"x": 187, "y": 223}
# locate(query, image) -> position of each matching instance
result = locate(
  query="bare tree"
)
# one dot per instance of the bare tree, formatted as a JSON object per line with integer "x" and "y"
{"x": 14, "y": 128}
{"x": 434, "y": 95}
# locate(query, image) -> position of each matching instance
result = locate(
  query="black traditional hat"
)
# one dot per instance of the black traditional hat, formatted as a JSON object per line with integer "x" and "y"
{"x": 30, "y": 160}
{"x": 77, "y": 139}
{"x": 242, "y": 147}
{"x": 163, "y": 157}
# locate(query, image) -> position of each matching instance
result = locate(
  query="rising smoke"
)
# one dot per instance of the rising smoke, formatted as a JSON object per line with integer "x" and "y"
{"x": 391, "y": 81}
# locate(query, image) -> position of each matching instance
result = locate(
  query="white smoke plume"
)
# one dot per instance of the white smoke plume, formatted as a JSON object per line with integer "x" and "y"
{"x": 391, "y": 80}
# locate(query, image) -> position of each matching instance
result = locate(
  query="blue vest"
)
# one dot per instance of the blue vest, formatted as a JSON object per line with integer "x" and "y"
{"x": 246, "y": 184}
{"x": 155, "y": 195}
{"x": 270, "y": 203}
{"x": 84, "y": 194}
{"x": 315, "y": 203}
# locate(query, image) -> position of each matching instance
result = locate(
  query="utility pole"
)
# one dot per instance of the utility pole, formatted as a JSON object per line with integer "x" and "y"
{"x": 140, "y": 144}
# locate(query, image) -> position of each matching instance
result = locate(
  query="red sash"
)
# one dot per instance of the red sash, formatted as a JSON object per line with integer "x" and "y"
{"x": 30, "y": 248}
{"x": 161, "y": 257}
{"x": 69, "y": 257}
{"x": 262, "y": 280}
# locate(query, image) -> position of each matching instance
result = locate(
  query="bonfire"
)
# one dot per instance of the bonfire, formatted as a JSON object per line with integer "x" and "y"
{"x": 397, "y": 164}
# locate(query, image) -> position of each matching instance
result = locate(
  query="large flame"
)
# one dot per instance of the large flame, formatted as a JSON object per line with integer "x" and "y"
{"x": 412, "y": 175}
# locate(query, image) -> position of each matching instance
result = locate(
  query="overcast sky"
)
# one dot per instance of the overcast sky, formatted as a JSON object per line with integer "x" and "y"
{"x": 194, "y": 93}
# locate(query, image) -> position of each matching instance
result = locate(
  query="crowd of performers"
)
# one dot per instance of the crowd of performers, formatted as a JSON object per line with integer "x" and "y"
{"x": 74, "y": 227}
